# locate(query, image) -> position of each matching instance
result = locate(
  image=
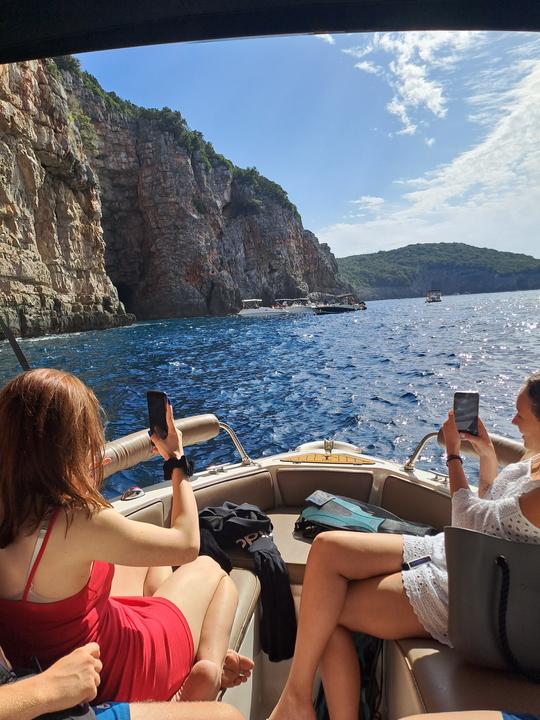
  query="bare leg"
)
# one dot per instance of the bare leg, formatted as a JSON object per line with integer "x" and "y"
{"x": 207, "y": 597}
{"x": 334, "y": 560}
{"x": 377, "y": 606}
{"x": 184, "y": 711}
{"x": 204, "y": 680}
{"x": 155, "y": 577}
{"x": 340, "y": 673}
{"x": 467, "y": 715}
{"x": 138, "y": 581}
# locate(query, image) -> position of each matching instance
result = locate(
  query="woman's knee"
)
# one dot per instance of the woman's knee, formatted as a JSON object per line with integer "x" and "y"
{"x": 208, "y": 566}
{"x": 325, "y": 543}
{"x": 228, "y": 712}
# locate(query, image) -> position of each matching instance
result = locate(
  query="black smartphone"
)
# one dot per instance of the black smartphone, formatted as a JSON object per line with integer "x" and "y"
{"x": 157, "y": 406}
{"x": 466, "y": 405}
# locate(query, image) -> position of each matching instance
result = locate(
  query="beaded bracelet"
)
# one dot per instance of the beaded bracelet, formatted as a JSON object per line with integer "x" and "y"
{"x": 454, "y": 457}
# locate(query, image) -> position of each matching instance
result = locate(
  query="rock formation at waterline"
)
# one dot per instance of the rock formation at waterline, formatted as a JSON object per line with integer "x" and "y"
{"x": 52, "y": 269}
{"x": 103, "y": 202}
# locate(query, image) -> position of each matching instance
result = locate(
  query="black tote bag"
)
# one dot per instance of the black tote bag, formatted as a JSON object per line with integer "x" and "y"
{"x": 494, "y": 600}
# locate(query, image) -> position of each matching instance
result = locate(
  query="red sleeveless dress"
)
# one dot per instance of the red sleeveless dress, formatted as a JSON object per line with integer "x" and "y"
{"x": 145, "y": 642}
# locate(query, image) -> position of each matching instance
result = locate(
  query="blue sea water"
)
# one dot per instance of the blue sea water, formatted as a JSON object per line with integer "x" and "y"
{"x": 381, "y": 379}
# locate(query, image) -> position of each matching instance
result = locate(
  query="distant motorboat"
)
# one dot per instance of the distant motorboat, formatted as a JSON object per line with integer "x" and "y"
{"x": 254, "y": 308}
{"x": 345, "y": 303}
{"x": 296, "y": 305}
{"x": 433, "y": 296}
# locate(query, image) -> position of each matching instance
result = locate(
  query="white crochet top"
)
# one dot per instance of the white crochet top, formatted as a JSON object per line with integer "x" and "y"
{"x": 497, "y": 513}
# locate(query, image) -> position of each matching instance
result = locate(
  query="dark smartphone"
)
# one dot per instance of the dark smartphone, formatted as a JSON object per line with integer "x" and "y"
{"x": 157, "y": 406}
{"x": 466, "y": 406}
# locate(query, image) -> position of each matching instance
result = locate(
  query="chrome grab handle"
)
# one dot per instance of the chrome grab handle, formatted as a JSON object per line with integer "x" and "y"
{"x": 246, "y": 460}
{"x": 411, "y": 460}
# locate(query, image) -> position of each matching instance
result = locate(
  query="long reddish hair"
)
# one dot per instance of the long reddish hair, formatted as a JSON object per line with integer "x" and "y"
{"x": 51, "y": 450}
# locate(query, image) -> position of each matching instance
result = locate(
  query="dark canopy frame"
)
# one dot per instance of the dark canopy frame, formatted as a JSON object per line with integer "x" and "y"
{"x": 42, "y": 28}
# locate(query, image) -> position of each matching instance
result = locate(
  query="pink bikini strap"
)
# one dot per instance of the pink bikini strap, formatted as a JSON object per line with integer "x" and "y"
{"x": 41, "y": 544}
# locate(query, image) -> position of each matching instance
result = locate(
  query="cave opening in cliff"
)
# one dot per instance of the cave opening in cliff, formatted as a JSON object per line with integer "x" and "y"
{"x": 125, "y": 295}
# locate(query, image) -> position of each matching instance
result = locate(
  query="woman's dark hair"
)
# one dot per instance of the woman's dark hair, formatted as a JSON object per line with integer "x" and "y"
{"x": 532, "y": 386}
{"x": 51, "y": 450}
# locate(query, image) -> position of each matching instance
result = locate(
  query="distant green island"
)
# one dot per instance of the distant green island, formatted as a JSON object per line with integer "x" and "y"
{"x": 452, "y": 268}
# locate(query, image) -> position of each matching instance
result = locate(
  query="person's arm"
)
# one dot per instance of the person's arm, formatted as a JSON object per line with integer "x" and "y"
{"x": 488, "y": 458}
{"x": 484, "y": 448}
{"x": 452, "y": 440}
{"x": 72, "y": 680}
{"x": 111, "y": 537}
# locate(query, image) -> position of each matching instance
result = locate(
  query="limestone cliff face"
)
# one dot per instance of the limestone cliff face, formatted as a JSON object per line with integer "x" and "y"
{"x": 52, "y": 269}
{"x": 187, "y": 234}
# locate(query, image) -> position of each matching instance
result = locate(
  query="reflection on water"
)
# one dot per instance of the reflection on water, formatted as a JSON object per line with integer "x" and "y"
{"x": 380, "y": 379}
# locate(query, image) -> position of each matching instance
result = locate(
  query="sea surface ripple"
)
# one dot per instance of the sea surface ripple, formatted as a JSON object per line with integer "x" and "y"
{"x": 380, "y": 379}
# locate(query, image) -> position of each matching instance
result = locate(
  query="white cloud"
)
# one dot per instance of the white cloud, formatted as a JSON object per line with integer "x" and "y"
{"x": 325, "y": 37}
{"x": 369, "y": 67}
{"x": 429, "y": 141}
{"x": 418, "y": 67}
{"x": 488, "y": 196}
{"x": 368, "y": 202}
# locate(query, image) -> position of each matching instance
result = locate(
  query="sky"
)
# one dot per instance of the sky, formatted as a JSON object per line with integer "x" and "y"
{"x": 379, "y": 139}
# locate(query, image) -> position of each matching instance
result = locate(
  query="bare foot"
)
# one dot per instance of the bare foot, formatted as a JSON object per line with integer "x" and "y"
{"x": 289, "y": 707}
{"x": 236, "y": 669}
{"x": 202, "y": 683}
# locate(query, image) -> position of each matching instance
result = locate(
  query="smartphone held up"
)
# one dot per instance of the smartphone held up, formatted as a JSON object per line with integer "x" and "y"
{"x": 466, "y": 407}
{"x": 157, "y": 413}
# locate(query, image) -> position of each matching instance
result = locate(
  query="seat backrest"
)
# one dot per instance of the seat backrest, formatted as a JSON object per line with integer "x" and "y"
{"x": 507, "y": 451}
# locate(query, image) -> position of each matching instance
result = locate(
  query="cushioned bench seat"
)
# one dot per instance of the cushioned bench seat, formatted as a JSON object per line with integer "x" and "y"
{"x": 425, "y": 676}
{"x": 249, "y": 589}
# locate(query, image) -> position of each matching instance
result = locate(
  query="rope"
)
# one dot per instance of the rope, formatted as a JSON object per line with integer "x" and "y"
{"x": 23, "y": 362}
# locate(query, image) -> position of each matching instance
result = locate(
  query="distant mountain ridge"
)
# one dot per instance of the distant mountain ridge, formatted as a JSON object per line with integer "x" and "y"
{"x": 452, "y": 268}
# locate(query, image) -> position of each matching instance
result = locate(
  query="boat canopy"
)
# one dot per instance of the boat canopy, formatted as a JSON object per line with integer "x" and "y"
{"x": 251, "y": 303}
{"x": 296, "y": 301}
{"x": 31, "y": 30}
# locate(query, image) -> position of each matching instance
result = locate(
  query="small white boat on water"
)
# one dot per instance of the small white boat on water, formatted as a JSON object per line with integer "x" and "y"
{"x": 296, "y": 305}
{"x": 434, "y": 296}
{"x": 344, "y": 303}
{"x": 283, "y": 306}
{"x": 254, "y": 308}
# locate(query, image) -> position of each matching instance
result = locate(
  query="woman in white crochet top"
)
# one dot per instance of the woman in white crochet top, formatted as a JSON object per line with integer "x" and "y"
{"x": 355, "y": 581}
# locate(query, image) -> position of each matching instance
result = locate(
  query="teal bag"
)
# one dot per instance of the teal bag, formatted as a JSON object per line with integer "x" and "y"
{"x": 333, "y": 512}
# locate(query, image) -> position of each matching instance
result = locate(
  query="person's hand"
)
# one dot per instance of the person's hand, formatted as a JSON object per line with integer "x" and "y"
{"x": 481, "y": 442}
{"x": 71, "y": 680}
{"x": 451, "y": 434}
{"x": 172, "y": 444}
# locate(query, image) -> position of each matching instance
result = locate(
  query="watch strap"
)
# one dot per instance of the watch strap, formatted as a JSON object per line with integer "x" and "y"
{"x": 182, "y": 462}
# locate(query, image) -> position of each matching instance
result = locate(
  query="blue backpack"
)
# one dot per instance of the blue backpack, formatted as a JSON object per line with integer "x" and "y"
{"x": 333, "y": 512}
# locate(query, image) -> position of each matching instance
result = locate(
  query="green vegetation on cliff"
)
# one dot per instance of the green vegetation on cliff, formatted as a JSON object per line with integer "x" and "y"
{"x": 173, "y": 122}
{"x": 450, "y": 267}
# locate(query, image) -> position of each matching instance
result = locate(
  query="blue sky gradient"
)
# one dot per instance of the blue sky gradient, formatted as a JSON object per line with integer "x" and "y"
{"x": 379, "y": 139}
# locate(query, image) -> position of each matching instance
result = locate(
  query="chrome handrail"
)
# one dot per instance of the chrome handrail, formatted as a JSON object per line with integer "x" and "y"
{"x": 411, "y": 460}
{"x": 246, "y": 460}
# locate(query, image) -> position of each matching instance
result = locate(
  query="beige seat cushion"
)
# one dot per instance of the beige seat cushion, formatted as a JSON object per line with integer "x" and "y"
{"x": 249, "y": 589}
{"x": 440, "y": 681}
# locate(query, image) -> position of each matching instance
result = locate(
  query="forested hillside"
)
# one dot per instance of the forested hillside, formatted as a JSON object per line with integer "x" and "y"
{"x": 450, "y": 267}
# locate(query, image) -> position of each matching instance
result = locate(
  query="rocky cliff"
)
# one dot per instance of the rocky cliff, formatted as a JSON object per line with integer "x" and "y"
{"x": 94, "y": 189}
{"x": 187, "y": 232}
{"x": 52, "y": 268}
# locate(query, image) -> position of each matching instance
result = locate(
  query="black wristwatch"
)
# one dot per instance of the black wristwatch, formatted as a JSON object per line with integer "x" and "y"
{"x": 182, "y": 462}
